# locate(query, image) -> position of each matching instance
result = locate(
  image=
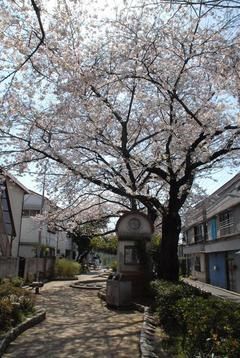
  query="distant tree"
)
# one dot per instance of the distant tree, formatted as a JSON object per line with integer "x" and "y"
{"x": 82, "y": 235}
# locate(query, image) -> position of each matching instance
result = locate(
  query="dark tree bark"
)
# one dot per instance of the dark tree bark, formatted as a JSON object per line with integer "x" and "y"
{"x": 168, "y": 267}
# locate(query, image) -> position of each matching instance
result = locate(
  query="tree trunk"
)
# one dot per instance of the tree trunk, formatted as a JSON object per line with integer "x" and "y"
{"x": 168, "y": 267}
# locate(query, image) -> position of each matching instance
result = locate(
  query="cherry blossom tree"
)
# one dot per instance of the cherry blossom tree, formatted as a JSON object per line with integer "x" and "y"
{"x": 127, "y": 108}
{"x": 226, "y": 4}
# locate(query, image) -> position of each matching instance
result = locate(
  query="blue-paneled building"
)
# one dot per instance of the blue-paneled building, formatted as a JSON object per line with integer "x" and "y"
{"x": 212, "y": 237}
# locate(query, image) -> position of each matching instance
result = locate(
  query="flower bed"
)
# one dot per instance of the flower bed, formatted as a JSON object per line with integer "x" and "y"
{"x": 16, "y": 304}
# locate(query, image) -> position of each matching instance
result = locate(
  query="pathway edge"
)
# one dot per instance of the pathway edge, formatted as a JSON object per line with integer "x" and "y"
{"x": 20, "y": 328}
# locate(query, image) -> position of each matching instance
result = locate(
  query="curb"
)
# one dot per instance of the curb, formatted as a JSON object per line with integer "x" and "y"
{"x": 208, "y": 287}
{"x": 20, "y": 328}
{"x": 102, "y": 294}
{"x": 191, "y": 282}
{"x": 91, "y": 281}
{"x": 85, "y": 287}
{"x": 147, "y": 335}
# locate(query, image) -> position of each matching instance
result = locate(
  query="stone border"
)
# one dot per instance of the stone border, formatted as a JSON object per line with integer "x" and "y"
{"x": 96, "y": 280}
{"x": 102, "y": 294}
{"x": 147, "y": 334}
{"x": 62, "y": 278}
{"x": 20, "y": 328}
{"x": 86, "y": 287}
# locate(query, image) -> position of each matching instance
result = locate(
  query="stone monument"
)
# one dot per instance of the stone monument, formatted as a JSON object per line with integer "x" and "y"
{"x": 134, "y": 231}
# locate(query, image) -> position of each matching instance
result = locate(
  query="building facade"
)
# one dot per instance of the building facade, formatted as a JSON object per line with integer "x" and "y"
{"x": 212, "y": 238}
{"x": 36, "y": 234}
{"x": 11, "y": 199}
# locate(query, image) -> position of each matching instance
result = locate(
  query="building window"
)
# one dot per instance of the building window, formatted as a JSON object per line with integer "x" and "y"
{"x": 226, "y": 223}
{"x": 27, "y": 213}
{"x": 198, "y": 233}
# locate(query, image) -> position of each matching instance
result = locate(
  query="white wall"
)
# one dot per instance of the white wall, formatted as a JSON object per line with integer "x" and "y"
{"x": 199, "y": 275}
{"x": 16, "y": 196}
{"x": 63, "y": 243}
{"x": 31, "y": 226}
{"x": 190, "y": 236}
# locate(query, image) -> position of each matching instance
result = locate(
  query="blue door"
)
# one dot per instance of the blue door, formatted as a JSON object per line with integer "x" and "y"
{"x": 217, "y": 270}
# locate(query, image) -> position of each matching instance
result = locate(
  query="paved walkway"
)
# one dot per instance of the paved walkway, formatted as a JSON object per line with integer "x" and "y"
{"x": 214, "y": 290}
{"x": 78, "y": 324}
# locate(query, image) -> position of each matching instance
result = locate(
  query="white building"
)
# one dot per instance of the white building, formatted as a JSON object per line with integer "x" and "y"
{"x": 12, "y": 198}
{"x": 37, "y": 233}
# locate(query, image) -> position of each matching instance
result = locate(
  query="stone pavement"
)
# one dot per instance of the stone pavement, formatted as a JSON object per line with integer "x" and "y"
{"x": 214, "y": 290}
{"x": 78, "y": 324}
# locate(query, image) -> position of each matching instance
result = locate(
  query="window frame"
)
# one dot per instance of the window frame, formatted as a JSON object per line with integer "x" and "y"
{"x": 226, "y": 223}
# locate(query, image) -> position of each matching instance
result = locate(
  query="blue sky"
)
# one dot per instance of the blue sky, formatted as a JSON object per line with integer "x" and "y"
{"x": 219, "y": 179}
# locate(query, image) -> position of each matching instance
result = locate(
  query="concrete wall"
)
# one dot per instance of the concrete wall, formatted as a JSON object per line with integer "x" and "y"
{"x": 199, "y": 275}
{"x": 63, "y": 243}
{"x": 45, "y": 267}
{"x": 190, "y": 236}
{"x": 16, "y": 196}
{"x": 27, "y": 250}
{"x": 31, "y": 228}
{"x": 8, "y": 267}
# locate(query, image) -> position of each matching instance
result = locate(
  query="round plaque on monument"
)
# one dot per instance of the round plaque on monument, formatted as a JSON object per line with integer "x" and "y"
{"x": 134, "y": 225}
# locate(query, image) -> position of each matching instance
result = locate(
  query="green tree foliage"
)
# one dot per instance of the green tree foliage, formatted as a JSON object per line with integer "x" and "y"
{"x": 108, "y": 244}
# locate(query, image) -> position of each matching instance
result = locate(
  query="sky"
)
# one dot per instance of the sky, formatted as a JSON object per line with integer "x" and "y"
{"x": 219, "y": 179}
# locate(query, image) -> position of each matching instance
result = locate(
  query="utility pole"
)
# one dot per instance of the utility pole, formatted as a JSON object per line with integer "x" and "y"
{"x": 41, "y": 223}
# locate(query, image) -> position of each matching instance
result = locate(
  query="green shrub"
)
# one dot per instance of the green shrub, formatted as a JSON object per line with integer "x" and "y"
{"x": 67, "y": 268}
{"x": 209, "y": 326}
{"x": 114, "y": 266}
{"x": 17, "y": 281}
{"x": 5, "y": 314}
{"x": 198, "y": 325}
{"x": 15, "y": 304}
{"x": 14, "y": 281}
{"x": 166, "y": 295}
{"x": 7, "y": 289}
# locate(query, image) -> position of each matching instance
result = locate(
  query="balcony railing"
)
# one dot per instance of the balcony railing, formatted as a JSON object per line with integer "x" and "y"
{"x": 227, "y": 227}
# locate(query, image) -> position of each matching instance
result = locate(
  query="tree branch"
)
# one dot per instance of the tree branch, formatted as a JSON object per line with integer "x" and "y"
{"x": 41, "y": 41}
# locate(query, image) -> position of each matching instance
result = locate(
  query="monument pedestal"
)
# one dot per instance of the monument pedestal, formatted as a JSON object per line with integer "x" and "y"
{"x": 134, "y": 232}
